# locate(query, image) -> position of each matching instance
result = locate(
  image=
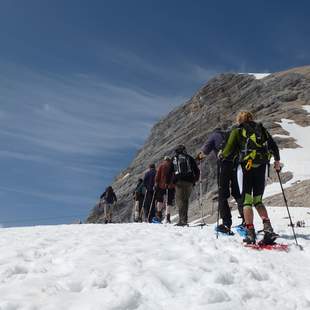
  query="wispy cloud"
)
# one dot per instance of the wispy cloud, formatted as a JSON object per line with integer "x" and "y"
{"x": 64, "y": 199}
{"x": 78, "y": 114}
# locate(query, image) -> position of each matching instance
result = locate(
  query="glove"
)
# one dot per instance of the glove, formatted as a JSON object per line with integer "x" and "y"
{"x": 277, "y": 165}
{"x": 200, "y": 156}
{"x": 220, "y": 155}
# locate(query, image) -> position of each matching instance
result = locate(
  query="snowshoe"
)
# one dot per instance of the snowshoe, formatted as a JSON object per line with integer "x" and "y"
{"x": 224, "y": 230}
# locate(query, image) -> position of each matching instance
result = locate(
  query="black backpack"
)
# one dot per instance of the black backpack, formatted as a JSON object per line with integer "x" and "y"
{"x": 182, "y": 166}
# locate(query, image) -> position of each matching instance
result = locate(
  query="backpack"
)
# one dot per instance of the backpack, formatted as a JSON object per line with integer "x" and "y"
{"x": 182, "y": 166}
{"x": 225, "y": 135}
{"x": 254, "y": 144}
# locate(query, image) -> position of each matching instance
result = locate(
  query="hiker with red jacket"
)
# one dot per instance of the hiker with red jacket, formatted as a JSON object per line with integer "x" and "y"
{"x": 164, "y": 190}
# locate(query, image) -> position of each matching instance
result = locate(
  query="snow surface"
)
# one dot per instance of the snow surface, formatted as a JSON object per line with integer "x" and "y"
{"x": 307, "y": 108}
{"x": 151, "y": 266}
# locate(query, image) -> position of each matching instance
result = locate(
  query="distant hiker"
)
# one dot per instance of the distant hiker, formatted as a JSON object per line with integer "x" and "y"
{"x": 185, "y": 174}
{"x": 109, "y": 199}
{"x": 139, "y": 193}
{"x": 165, "y": 190}
{"x": 254, "y": 146}
{"x": 226, "y": 178}
{"x": 149, "y": 203}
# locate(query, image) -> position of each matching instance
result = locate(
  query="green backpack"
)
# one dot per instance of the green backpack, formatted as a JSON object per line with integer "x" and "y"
{"x": 254, "y": 141}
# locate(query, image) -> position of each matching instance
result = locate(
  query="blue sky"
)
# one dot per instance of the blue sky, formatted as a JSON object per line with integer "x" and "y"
{"x": 82, "y": 82}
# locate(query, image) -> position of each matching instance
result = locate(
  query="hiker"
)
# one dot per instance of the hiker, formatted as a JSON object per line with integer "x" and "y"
{"x": 164, "y": 190}
{"x": 149, "y": 203}
{"x": 254, "y": 146}
{"x": 226, "y": 178}
{"x": 138, "y": 193}
{"x": 109, "y": 200}
{"x": 184, "y": 173}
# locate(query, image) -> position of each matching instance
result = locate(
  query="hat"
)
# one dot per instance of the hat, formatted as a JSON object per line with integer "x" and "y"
{"x": 180, "y": 149}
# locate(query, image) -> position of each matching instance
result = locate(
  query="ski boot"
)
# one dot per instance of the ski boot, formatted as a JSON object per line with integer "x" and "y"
{"x": 224, "y": 230}
{"x": 269, "y": 235}
{"x": 251, "y": 235}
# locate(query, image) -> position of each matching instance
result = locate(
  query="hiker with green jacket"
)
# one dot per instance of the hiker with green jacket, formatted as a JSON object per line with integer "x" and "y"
{"x": 254, "y": 146}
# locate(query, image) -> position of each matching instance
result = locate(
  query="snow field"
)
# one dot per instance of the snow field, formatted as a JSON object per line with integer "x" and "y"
{"x": 150, "y": 266}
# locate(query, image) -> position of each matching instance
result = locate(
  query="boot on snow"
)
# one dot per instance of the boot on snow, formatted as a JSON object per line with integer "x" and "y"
{"x": 269, "y": 235}
{"x": 251, "y": 235}
{"x": 224, "y": 229}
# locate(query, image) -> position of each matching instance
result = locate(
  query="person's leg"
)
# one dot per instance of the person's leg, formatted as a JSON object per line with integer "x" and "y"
{"x": 160, "y": 203}
{"x": 235, "y": 192}
{"x": 147, "y": 204}
{"x": 247, "y": 203}
{"x": 224, "y": 193}
{"x": 137, "y": 211}
{"x": 187, "y": 193}
{"x": 258, "y": 191}
{"x": 182, "y": 201}
{"x": 170, "y": 198}
{"x": 179, "y": 200}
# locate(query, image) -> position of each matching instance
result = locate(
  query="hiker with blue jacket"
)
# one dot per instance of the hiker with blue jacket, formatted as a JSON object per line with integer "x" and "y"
{"x": 149, "y": 203}
{"x": 226, "y": 178}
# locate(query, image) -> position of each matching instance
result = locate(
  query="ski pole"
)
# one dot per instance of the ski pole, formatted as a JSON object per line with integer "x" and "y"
{"x": 200, "y": 194}
{"x": 151, "y": 206}
{"x": 218, "y": 204}
{"x": 287, "y": 208}
{"x": 143, "y": 203}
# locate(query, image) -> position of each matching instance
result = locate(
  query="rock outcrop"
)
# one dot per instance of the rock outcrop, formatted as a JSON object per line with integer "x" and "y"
{"x": 277, "y": 96}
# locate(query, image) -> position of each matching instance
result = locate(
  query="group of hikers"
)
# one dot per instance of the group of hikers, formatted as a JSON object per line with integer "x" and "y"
{"x": 243, "y": 155}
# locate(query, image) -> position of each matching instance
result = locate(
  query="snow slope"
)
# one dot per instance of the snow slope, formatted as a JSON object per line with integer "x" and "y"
{"x": 295, "y": 160}
{"x": 150, "y": 266}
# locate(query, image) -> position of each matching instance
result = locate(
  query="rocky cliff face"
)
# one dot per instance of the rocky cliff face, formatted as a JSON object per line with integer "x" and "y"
{"x": 280, "y": 95}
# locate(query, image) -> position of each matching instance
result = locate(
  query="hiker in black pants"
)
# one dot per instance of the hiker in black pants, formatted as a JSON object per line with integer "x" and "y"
{"x": 226, "y": 178}
{"x": 254, "y": 146}
{"x": 149, "y": 183}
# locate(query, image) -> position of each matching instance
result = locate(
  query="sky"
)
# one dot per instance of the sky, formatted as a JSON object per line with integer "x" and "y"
{"x": 83, "y": 82}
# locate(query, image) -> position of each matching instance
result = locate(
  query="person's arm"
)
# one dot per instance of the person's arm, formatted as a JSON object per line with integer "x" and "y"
{"x": 209, "y": 146}
{"x": 170, "y": 173}
{"x": 231, "y": 144}
{"x": 102, "y": 195}
{"x": 195, "y": 168}
{"x": 272, "y": 145}
{"x": 114, "y": 197}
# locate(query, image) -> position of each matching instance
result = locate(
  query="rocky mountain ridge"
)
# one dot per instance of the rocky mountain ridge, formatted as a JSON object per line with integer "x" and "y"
{"x": 277, "y": 96}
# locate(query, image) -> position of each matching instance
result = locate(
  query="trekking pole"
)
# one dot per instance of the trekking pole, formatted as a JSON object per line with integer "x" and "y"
{"x": 200, "y": 195}
{"x": 288, "y": 211}
{"x": 143, "y": 203}
{"x": 151, "y": 206}
{"x": 218, "y": 195}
